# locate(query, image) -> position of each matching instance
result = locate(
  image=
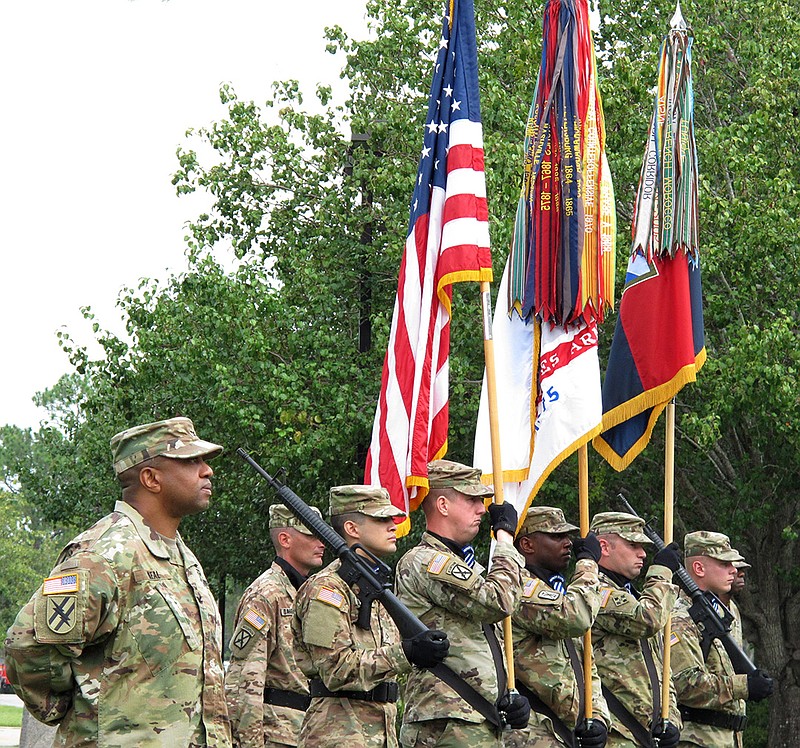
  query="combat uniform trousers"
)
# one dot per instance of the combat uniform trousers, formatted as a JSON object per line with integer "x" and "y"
{"x": 338, "y": 656}
{"x": 446, "y": 594}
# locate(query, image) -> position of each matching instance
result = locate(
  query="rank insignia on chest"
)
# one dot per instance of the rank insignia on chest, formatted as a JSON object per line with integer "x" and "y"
{"x": 61, "y": 614}
{"x": 242, "y": 638}
{"x": 60, "y": 585}
{"x": 255, "y": 620}
{"x": 460, "y": 572}
{"x": 330, "y": 597}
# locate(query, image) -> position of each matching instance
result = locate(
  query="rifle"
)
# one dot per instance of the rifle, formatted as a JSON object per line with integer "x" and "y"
{"x": 373, "y": 585}
{"x": 703, "y": 610}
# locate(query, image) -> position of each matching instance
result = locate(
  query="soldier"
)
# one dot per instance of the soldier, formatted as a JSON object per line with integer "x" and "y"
{"x": 710, "y": 694}
{"x": 267, "y": 694}
{"x": 438, "y": 582}
{"x": 548, "y": 662}
{"x": 625, "y": 634}
{"x": 352, "y": 669}
{"x": 120, "y": 646}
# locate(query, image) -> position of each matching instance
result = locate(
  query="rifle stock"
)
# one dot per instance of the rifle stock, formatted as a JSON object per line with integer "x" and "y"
{"x": 703, "y": 610}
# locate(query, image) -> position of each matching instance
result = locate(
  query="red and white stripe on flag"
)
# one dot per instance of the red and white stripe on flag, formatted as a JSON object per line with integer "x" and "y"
{"x": 448, "y": 244}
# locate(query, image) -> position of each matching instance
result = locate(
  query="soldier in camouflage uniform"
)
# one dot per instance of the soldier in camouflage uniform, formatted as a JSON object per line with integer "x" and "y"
{"x": 547, "y": 660}
{"x": 120, "y": 646}
{"x": 267, "y": 694}
{"x": 626, "y": 635}
{"x": 436, "y": 581}
{"x": 352, "y": 669}
{"x": 710, "y": 694}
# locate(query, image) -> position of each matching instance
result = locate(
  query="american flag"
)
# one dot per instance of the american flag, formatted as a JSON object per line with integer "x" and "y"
{"x": 448, "y": 242}
{"x": 62, "y": 584}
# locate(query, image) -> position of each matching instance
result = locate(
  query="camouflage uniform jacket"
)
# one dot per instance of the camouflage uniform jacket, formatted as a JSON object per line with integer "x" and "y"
{"x": 712, "y": 684}
{"x": 118, "y": 647}
{"x": 262, "y": 656}
{"x": 345, "y": 657}
{"x": 622, "y": 622}
{"x": 544, "y": 619}
{"x": 446, "y": 594}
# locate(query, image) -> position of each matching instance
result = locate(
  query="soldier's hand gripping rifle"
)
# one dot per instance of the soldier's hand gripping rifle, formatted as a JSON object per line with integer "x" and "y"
{"x": 703, "y": 610}
{"x": 372, "y": 577}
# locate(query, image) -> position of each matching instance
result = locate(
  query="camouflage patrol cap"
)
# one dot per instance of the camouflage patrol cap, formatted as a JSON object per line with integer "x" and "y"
{"x": 464, "y": 479}
{"x": 373, "y": 501}
{"x": 627, "y": 526}
{"x": 545, "y": 519}
{"x": 175, "y": 438}
{"x": 280, "y": 516}
{"x": 711, "y": 544}
{"x": 741, "y": 564}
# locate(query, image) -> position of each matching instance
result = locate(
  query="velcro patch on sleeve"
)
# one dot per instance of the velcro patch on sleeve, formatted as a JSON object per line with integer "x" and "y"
{"x": 437, "y": 564}
{"x": 548, "y": 595}
{"x": 530, "y": 588}
{"x": 605, "y": 596}
{"x": 330, "y": 597}
{"x": 255, "y": 620}
{"x": 673, "y": 638}
{"x": 61, "y": 584}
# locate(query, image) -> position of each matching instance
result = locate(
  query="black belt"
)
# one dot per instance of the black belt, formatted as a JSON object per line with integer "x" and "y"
{"x": 725, "y": 720}
{"x": 290, "y": 699}
{"x": 386, "y": 692}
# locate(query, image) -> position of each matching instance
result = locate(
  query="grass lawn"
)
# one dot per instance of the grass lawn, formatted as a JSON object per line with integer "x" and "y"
{"x": 10, "y": 716}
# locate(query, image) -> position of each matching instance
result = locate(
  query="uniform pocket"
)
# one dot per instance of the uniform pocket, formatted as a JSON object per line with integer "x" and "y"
{"x": 157, "y": 629}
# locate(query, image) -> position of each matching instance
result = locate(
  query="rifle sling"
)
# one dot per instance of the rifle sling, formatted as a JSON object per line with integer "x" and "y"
{"x": 640, "y": 733}
{"x": 476, "y": 700}
{"x": 577, "y": 668}
{"x": 540, "y": 707}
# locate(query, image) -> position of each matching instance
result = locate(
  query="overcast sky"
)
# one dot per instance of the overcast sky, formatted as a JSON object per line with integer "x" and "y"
{"x": 97, "y": 96}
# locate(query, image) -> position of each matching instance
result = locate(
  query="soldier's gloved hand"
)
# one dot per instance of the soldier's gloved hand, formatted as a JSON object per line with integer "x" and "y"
{"x": 426, "y": 649}
{"x": 669, "y": 556}
{"x": 591, "y": 734}
{"x": 588, "y": 547}
{"x": 515, "y": 709}
{"x": 503, "y": 517}
{"x": 667, "y": 735}
{"x": 759, "y": 686}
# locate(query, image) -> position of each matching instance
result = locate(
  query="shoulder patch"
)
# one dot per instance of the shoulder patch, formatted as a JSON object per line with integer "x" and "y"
{"x": 330, "y": 597}
{"x": 437, "y": 563}
{"x": 241, "y": 639}
{"x": 673, "y": 638}
{"x": 460, "y": 572}
{"x": 62, "y": 584}
{"x": 255, "y": 620}
{"x": 545, "y": 594}
{"x": 530, "y": 587}
{"x": 605, "y": 596}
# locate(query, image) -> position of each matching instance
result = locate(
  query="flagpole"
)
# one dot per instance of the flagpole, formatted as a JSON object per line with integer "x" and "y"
{"x": 497, "y": 465}
{"x": 583, "y": 509}
{"x": 669, "y": 498}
